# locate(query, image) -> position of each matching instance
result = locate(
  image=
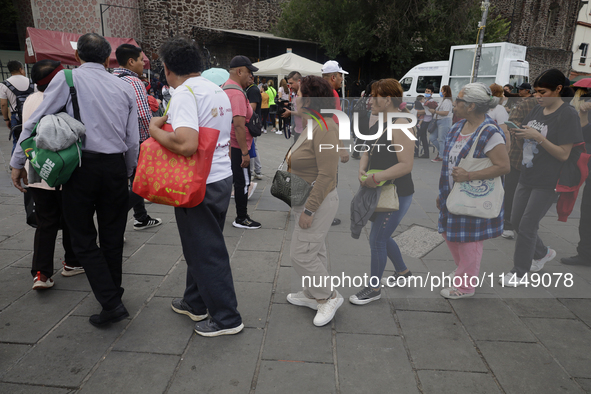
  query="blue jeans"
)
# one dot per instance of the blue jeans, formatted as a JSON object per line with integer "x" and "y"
{"x": 438, "y": 138}
{"x": 380, "y": 239}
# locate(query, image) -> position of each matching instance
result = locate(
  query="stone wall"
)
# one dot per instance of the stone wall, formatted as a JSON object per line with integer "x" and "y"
{"x": 546, "y": 27}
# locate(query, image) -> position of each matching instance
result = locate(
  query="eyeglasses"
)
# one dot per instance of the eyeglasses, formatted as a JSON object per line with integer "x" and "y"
{"x": 459, "y": 100}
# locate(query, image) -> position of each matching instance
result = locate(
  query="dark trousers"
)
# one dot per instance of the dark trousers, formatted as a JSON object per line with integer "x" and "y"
{"x": 210, "y": 286}
{"x": 511, "y": 181}
{"x": 272, "y": 113}
{"x": 100, "y": 186}
{"x": 137, "y": 203}
{"x": 265, "y": 116}
{"x": 584, "y": 247}
{"x": 422, "y": 139}
{"x": 241, "y": 182}
{"x": 48, "y": 210}
{"x": 530, "y": 206}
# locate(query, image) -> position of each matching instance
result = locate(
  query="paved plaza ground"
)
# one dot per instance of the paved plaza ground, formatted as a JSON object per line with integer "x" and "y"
{"x": 524, "y": 340}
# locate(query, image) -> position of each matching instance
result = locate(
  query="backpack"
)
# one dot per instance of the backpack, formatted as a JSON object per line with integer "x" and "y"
{"x": 21, "y": 97}
{"x": 55, "y": 168}
{"x": 254, "y": 125}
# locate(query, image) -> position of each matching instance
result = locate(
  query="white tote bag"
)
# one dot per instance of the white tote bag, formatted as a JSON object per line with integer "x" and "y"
{"x": 478, "y": 198}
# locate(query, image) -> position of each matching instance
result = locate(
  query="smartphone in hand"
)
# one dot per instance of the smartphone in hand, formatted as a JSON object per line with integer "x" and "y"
{"x": 512, "y": 125}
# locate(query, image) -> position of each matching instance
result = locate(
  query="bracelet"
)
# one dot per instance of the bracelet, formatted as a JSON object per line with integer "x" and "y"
{"x": 373, "y": 178}
{"x": 247, "y": 154}
{"x": 542, "y": 141}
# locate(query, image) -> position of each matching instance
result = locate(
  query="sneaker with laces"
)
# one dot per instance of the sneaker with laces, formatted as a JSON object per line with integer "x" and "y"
{"x": 327, "y": 310}
{"x": 41, "y": 282}
{"x": 537, "y": 265}
{"x": 365, "y": 296}
{"x": 209, "y": 328}
{"x": 279, "y": 132}
{"x": 180, "y": 306}
{"x": 437, "y": 159}
{"x": 393, "y": 281}
{"x": 246, "y": 223}
{"x": 258, "y": 176}
{"x": 148, "y": 223}
{"x": 454, "y": 294}
{"x": 69, "y": 270}
{"x": 508, "y": 234}
{"x": 512, "y": 280}
{"x": 300, "y": 299}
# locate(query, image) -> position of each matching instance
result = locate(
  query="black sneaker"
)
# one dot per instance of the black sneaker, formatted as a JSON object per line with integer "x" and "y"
{"x": 246, "y": 223}
{"x": 336, "y": 222}
{"x": 365, "y": 296}
{"x": 180, "y": 306}
{"x": 394, "y": 281}
{"x": 149, "y": 222}
{"x": 208, "y": 328}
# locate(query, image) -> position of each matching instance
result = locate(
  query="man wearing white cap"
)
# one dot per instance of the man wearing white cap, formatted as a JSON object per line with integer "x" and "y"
{"x": 333, "y": 74}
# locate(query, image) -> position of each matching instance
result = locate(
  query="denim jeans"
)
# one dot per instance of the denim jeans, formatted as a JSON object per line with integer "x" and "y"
{"x": 438, "y": 138}
{"x": 380, "y": 239}
{"x": 529, "y": 207}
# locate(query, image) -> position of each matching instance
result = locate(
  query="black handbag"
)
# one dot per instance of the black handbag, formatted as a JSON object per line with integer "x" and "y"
{"x": 288, "y": 187}
{"x": 30, "y": 209}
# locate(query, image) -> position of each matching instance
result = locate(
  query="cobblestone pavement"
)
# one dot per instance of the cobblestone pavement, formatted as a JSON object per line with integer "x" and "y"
{"x": 524, "y": 340}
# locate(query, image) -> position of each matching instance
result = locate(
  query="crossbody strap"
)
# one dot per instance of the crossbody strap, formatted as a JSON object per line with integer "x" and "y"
{"x": 474, "y": 143}
{"x": 70, "y": 82}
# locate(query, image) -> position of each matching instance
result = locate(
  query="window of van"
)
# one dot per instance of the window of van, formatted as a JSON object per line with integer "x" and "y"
{"x": 406, "y": 83}
{"x": 424, "y": 81}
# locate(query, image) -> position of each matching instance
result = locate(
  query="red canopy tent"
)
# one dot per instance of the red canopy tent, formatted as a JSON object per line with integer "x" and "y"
{"x": 56, "y": 45}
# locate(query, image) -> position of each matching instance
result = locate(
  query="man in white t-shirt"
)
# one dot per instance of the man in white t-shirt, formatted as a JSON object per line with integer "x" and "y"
{"x": 209, "y": 298}
{"x": 14, "y": 91}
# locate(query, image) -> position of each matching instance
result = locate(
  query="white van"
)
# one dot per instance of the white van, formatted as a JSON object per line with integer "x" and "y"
{"x": 500, "y": 62}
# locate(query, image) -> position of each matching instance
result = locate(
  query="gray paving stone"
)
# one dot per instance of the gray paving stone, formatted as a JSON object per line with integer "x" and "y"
{"x": 526, "y": 368}
{"x": 339, "y": 245}
{"x": 167, "y": 234}
{"x": 584, "y": 383}
{"x": 263, "y": 240}
{"x": 157, "y": 329}
{"x": 287, "y": 282}
{"x": 295, "y": 377}
{"x": 580, "y": 307}
{"x": 452, "y": 382}
{"x": 225, "y": 364}
{"x": 33, "y": 315}
{"x": 12, "y": 226}
{"x": 441, "y": 252}
{"x": 270, "y": 203}
{"x": 571, "y": 347}
{"x": 491, "y": 320}
{"x": 254, "y": 266}
{"x": 373, "y": 363}
{"x": 7, "y": 257}
{"x": 174, "y": 284}
{"x": 62, "y": 351}
{"x": 253, "y": 302}
{"x": 29, "y": 389}
{"x": 20, "y": 241}
{"x": 119, "y": 373}
{"x": 137, "y": 289}
{"x": 153, "y": 260}
{"x": 9, "y": 354}
{"x": 14, "y": 283}
{"x": 306, "y": 341}
{"x": 438, "y": 304}
{"x": 135, "y": 240}
{"x": 271, "y": 219}
{"x": 437, "y": 341}
{"x": 373, "y": 318}
{"x": 417, "y": 241}
{"x": 544, "y": 307}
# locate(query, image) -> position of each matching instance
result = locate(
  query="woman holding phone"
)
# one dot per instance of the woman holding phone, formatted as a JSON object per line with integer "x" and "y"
{"x": 550, "y": 131}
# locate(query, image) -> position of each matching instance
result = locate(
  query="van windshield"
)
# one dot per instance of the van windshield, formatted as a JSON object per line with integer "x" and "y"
{"x": 406, "y": 83}
{"x": 424, "y": 81}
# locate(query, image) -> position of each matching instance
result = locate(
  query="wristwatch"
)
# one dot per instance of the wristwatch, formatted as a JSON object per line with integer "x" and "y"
{"x": 308, "y": 212}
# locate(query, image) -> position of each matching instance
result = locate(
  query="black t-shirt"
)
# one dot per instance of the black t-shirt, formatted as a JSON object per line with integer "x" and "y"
{"x": 539, "y": 169}
{"x": 254, "y": 96}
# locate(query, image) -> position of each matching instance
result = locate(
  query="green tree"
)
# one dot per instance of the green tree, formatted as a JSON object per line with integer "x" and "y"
{"x": 394, "y": 34}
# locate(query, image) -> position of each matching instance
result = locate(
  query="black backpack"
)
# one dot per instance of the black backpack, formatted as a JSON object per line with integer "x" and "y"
{"x": 21, "y": 96}
{"x": 254, "y": 126}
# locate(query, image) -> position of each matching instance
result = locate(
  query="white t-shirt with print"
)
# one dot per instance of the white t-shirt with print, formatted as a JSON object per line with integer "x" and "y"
{"x": 499, "y": 114}
{"x": 214, "y": 111}
{"x": 459, "y": 144}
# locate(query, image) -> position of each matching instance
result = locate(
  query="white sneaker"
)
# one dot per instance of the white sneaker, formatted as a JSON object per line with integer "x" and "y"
{"x": 258, "y": 176}
{"x": 508, "y": 234}
{"x": 327, "y": 310}
{"x": 452, "y": 274}
{"x": 512, "y": 280}
{"x": 279, "y": 132}
{"x": 251, "y": 189}
{"x": 273, "y": 130}
{"x": 300, "y": 299}
{"x": 537, "y": 265}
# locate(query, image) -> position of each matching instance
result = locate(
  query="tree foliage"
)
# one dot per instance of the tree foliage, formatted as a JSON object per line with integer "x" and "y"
{"x": 397, "y": 34}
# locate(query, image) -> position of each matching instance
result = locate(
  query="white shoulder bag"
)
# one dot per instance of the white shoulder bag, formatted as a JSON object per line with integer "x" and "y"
{"x": 478, "y": 198}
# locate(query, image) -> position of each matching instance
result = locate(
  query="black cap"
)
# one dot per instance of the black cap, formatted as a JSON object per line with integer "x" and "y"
{"x": 240, "y": 61}
{"x": 525, "y": 86}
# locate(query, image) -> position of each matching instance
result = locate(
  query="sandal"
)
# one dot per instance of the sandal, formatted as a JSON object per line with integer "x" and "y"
{"x": 453, "y": 294}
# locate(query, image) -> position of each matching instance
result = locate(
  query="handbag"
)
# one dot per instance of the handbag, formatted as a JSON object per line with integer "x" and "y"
{"x": 479, "y": 198}
{"x": 388, "y": 200}
{"x": 432, "y": 128}
{"x": 168, "y": 178}
{"x": 30, "y": 209}
{"x": 288, "y": 187}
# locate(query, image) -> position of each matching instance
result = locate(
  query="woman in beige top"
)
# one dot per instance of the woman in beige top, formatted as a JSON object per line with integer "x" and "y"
{"x": 318, "y": 167}
{"x": 48, "y": 201}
